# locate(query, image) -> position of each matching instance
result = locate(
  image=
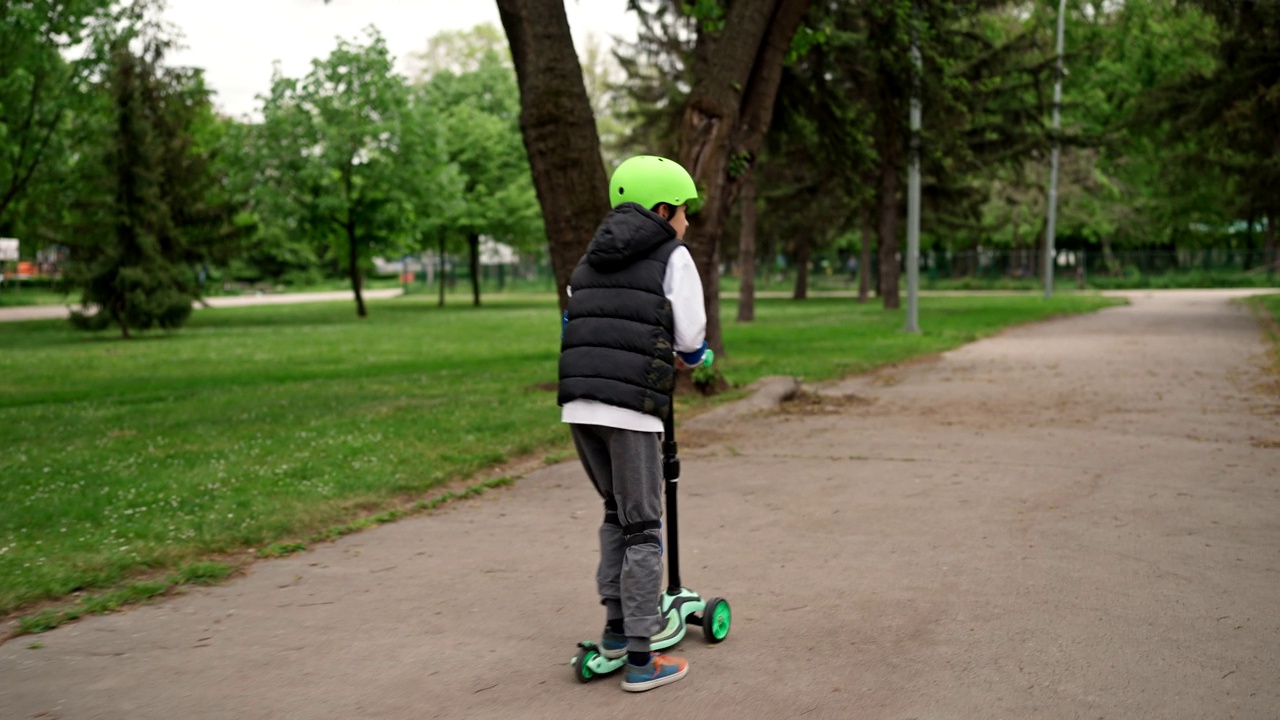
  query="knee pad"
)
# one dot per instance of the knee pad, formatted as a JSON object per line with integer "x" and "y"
{"x": 611, "y": 512}
{"x": 643, "y": 533}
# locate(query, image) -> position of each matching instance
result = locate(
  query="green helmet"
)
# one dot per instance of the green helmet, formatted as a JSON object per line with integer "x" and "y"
{"x": 649, "y": 180}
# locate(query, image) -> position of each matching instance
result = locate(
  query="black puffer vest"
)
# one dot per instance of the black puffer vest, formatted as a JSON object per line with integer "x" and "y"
{"x": 618, "y": 343}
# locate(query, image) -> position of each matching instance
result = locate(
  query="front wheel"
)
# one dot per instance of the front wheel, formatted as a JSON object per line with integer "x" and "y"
{"x": 582, "y": 664}
{"x": 716, "y": 620}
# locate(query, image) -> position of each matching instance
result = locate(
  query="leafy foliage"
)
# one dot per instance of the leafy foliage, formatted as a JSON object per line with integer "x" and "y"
{"x": 344, "y": 154}
{"x": 41, "y": 91}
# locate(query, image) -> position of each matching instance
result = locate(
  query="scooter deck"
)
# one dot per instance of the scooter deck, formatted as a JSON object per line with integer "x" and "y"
{"x": 680, "y": 610}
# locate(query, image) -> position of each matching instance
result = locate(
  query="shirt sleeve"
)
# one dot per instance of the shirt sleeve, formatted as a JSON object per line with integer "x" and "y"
{"x": 683, "y": 288}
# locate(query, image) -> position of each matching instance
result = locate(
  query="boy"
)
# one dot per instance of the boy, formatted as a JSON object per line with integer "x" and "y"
{"x": 635, "y": 302}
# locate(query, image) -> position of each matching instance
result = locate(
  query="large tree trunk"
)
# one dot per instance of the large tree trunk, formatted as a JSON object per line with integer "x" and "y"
{"x": 737, "y": 71}
{"x": 353, "y": 261}
{"x": 747, "y": 254}
{"x": 804, "y": 257}
{"x": 473, "y": 242}
{"x": 559, "y": 130}
{"x": 887, "y": 203}
{"x": 864, "y": 255}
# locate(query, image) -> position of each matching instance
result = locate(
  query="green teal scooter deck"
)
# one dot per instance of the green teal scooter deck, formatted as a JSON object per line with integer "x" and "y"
{"x": 682, "y": 609}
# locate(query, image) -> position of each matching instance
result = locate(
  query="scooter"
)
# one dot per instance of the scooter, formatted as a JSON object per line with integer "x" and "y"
{"x": 681, "y": 607}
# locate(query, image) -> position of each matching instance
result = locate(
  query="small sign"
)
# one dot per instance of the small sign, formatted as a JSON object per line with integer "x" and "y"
{"x": 8, "y": 249}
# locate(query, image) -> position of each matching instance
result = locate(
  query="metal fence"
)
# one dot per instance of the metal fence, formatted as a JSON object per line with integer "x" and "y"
{"x": 1023, "y": 269}
{"x": 1214, "y": 267}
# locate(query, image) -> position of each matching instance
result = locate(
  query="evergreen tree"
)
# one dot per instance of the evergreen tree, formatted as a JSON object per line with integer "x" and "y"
{"x": 149, "y": 211}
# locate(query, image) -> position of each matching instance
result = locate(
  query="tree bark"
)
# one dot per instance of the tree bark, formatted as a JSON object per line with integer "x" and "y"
{"x": 353, "y": 250}
{"x": 559, "y": 130}
{"x": 804, "y": 255}
{"x": 864, "y": 255}
{"x": 747, "y": 254}
{"x": 473, "y": 242}
{"x": 122, "y": 318}
{"x": 726, "y": 116}
{"x": 353, "y": 260}
{"x": 887, "y": 199}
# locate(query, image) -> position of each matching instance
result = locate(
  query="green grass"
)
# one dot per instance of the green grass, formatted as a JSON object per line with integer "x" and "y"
{"x": 27, "y": 296}
{"x": 132, "y": 467}
{"x": 824, "y": 338}
{"x": 1185, "y": 279}
{"x": 322, "y": 284}
{"x": 1267, "y": 309}
{"x": 1064, "y": 281}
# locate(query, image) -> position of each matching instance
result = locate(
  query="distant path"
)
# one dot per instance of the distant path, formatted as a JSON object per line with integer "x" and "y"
{"x": 56, "y": 312}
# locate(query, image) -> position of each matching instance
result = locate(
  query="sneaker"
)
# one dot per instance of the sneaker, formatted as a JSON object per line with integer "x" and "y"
{"x": 613, "y": 645}
{"x": 661, "y": 670}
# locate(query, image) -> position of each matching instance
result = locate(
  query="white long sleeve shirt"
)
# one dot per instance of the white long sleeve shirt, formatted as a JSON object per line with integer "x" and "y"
{"x": 683, "y": 287}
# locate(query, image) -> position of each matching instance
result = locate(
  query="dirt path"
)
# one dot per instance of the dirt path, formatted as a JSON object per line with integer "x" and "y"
{"x": 1077, "y": 519}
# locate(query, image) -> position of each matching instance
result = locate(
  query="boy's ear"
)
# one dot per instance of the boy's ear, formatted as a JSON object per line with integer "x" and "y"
{"x": 664, "y": 211}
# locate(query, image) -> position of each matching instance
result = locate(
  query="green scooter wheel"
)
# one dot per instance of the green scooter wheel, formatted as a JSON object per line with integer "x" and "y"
{"x": 716, "y": 620}
{"x": 582, "y": 664}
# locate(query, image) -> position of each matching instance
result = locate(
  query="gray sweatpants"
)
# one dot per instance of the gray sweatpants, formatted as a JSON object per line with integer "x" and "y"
{"x": 626, "y": 468}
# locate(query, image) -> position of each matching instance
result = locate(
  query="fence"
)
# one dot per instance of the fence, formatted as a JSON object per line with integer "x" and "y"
{"x": 1022, "y": 269}
{"x": 970, "y": 269}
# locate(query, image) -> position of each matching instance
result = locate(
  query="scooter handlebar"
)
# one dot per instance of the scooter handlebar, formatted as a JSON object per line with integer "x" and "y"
{"x": 708, "y": 357}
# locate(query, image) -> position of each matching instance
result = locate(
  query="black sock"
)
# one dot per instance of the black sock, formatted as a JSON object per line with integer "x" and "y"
{"x": 639, "y": 659}
{"x": 613, "y": 614}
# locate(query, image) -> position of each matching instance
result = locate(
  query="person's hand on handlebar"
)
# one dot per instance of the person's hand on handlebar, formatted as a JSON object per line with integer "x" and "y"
{"x": 702, "y": 357}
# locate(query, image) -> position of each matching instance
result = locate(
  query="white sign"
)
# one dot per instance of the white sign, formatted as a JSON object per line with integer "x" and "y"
{"x": 8, "y": 249}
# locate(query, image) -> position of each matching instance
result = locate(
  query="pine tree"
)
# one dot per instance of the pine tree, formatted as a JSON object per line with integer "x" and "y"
{"x": 150, "y": 211}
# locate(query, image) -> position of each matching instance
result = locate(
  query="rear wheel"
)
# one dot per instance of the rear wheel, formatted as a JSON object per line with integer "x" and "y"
{"x": 716, "y": 620}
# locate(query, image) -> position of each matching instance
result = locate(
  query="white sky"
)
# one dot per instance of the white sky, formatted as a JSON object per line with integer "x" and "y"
{"x": 236, "y": 41}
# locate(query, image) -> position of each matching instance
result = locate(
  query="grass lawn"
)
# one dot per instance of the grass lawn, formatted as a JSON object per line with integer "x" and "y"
{"x": 129, "y": 467}
{"x": 27, "y": 296}
{"x": 1267, "y": 309}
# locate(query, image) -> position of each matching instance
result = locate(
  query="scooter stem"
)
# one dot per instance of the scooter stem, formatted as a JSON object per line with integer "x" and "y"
{"x": 671, "y": 475}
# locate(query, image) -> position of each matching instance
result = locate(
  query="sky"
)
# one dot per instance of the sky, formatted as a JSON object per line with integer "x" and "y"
{"x": 237, "y": 41}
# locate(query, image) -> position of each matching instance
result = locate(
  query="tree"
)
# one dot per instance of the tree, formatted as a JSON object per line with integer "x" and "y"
{"x": 658, "y": 74}
{"x": 478, "y": 103}
{"x": 1230, "y": 113}
{"x": 809, "y": 199}
{"x": 604, "y": 80}
{"x": 983, "y": 67}
{"x": 735, "y": 69}
{"x": 737, "y": 66}
{"x": 40, "y": 88}
{"x": 149, "y": 207}
{"x": 659, "y": 67}
{"x": 1122, "y": 182}
{"x": 340, "y": 149}
{"x": 559, "y": 131}
{"x": 280, "y": 248}
{"x": 818, "y": 149}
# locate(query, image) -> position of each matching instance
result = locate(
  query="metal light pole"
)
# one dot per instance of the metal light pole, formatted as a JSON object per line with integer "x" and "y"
{"x": 913, "y": 182}
{"x": 1053, "y": 164}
